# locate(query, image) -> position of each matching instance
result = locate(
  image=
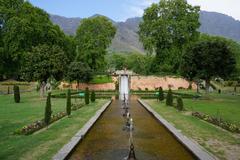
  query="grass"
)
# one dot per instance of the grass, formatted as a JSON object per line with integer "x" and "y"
{"x": 224, "y": 106}
{"x": 45, "y": 143}
{"x": 223, "y": 144}
{"x": 101, "y": 79}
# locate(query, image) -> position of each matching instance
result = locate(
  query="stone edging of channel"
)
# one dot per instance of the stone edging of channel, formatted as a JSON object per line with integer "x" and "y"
{"x": 193, "y": 147}
{"x": 64, "y": 152}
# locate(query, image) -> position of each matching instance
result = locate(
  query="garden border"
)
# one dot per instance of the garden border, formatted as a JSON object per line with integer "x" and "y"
{"x": 64, "y": 152}
{"x": 193, "y": 147}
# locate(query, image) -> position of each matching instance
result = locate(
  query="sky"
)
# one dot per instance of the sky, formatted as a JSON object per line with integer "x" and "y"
{"x": 120, "y": 10}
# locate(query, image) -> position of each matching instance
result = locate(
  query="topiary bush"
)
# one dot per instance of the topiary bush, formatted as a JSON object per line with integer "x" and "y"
{"x": 93, "y": 96}
{"x": 16, "y": 93}
{"x": 86, "y": 96}
{"x": 48, "y": 110}
{"x": 68, "y": 105}
{"x": 161, "y": 94}
{"x": 169, "y": 99}
{"x": 179, "y": 104}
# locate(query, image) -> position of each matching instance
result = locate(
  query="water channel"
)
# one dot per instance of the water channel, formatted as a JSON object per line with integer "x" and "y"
{"x": 107, "y": 139}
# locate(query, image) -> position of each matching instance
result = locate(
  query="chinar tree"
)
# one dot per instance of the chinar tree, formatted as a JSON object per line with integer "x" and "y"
{"x": 207, "y": 59}
{"x": 93, "y": 37}
{"x": 23, "y": 26}
{"x": 80, "y": 72}
{"x": 43, "y": 62}
{"x": 166, "y": 29}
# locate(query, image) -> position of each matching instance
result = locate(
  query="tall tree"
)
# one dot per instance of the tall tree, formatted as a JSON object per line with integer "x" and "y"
{"x": 24, "y": 26}
{"x": 207, "y": 59}
{"x": 167, "y": 27}
{"x": 44, "y": 62}
{"x": 94, "y": 35}
{"x": 80, "y": 72}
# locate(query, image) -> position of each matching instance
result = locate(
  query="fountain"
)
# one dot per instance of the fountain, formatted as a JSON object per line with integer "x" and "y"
{"x": 142, "y": 137}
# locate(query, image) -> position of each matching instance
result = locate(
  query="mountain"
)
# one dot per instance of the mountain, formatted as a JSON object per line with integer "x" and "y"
{"x": 68, "y": 25}
{"x": 126, "y": 39}
{"x": 214, "y": 23}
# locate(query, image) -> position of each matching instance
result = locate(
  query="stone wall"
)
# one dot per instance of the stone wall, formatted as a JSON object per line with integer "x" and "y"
{"x": 153, "y": 82}
{"x": 137, "y": 83}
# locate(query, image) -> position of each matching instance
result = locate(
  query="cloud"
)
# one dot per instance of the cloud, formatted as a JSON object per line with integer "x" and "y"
{"x": 135, "y": 8}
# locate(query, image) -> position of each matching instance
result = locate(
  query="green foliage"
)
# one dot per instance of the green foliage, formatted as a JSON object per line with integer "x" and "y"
{"x": 100, "y": 79}
{"x": 86, "y": 96}
{"x": 138, "y": 63}
{"x": 93, "y": 37}
{"x": 68, "y": 106}
{"x": 169, "y": 98}
{"x": 48, "y": 110}
{"x": 16, "y": 94}
{"x": 93, "y": 96}
{"x": 208, "y": 58}
{"x": 161, "y": 94}
{"x": 232, "y": 45}
{"x": 179, "y": 104}
{"x": 166, "y": 29}
{"x": 44, "y": 62}
{"x": 80, "y": 72}
{"x": 23, "y": 27}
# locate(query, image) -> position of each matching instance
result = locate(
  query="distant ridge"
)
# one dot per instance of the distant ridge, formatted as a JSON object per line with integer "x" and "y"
{"x": 126, "y": 39}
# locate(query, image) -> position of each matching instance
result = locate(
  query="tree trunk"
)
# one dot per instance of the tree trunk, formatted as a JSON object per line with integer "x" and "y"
{"x": 197, "y": 87}
{"x": 207, "y": 85}
{"x": 42, "y": 88}
{"x": 77, "y": 85}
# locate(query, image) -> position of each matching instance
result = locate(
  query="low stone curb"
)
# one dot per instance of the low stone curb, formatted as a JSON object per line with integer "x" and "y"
{"x": 67, "y": 148}
{"x": 193, "y": 147}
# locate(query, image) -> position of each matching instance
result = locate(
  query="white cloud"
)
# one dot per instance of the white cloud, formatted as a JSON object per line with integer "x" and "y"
{"x": 135, "y": 8}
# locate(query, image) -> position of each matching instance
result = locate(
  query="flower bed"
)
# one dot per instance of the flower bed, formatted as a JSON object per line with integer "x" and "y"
{"x": 37, "y": 125}
{"x": 218, "y": 122}
{"x": 76, "y": 106}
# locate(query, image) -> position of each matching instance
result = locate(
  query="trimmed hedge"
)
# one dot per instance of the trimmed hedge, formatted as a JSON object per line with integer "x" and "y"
{"x": 169, "y": 98}
{"x": 16, "y": 92}
{"x": 68, "y": 105}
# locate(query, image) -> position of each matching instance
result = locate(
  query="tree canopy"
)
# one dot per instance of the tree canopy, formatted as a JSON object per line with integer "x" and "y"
{"x": 43, "y": 62}
{"x": 167, "y": 27}
{"x": 80, "y": 72}
{"x": 93, "y": 37}
{"x": 208, "y": 58}
{"x": 24, "y": 26}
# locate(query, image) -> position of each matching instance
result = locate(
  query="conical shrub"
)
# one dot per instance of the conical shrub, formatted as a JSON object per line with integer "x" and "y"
{"x": 68, "y": 105}
{"x": 169, "y": 99}
{"x": 48, "y": 110}
{"x": 179, "y": 104}
{"x": 86, "y": 96}
{"x": 16, "y": 93}
{"x": 93, "y": 96}
{"x": 161, "y": 94}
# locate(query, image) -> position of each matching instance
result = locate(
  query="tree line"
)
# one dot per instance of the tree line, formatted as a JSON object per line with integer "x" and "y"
{"x": 32, "y": 48}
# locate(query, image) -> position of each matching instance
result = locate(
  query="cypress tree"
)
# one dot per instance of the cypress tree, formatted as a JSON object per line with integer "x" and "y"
{"x": 86, "y": 96}
{"x": 179, "y": 104}
{"x": 68, "y": 106}
{"x": 48, "y": 110}
{"x": 93, "y": 96}
{"x": 161, "y": 94}
{"x": 16, "y": 93}
{"x": 169, "y": 100}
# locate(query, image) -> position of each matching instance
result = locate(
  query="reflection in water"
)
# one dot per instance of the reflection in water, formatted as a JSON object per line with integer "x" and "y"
{"x": 107, "y": 141}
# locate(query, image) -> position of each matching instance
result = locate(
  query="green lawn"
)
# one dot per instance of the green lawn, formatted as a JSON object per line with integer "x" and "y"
{"x": 101, "y": 79}
{"x": 225, "y": 106}
{"x": 223, "y": 144}
{"x": 45, "y": 143}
